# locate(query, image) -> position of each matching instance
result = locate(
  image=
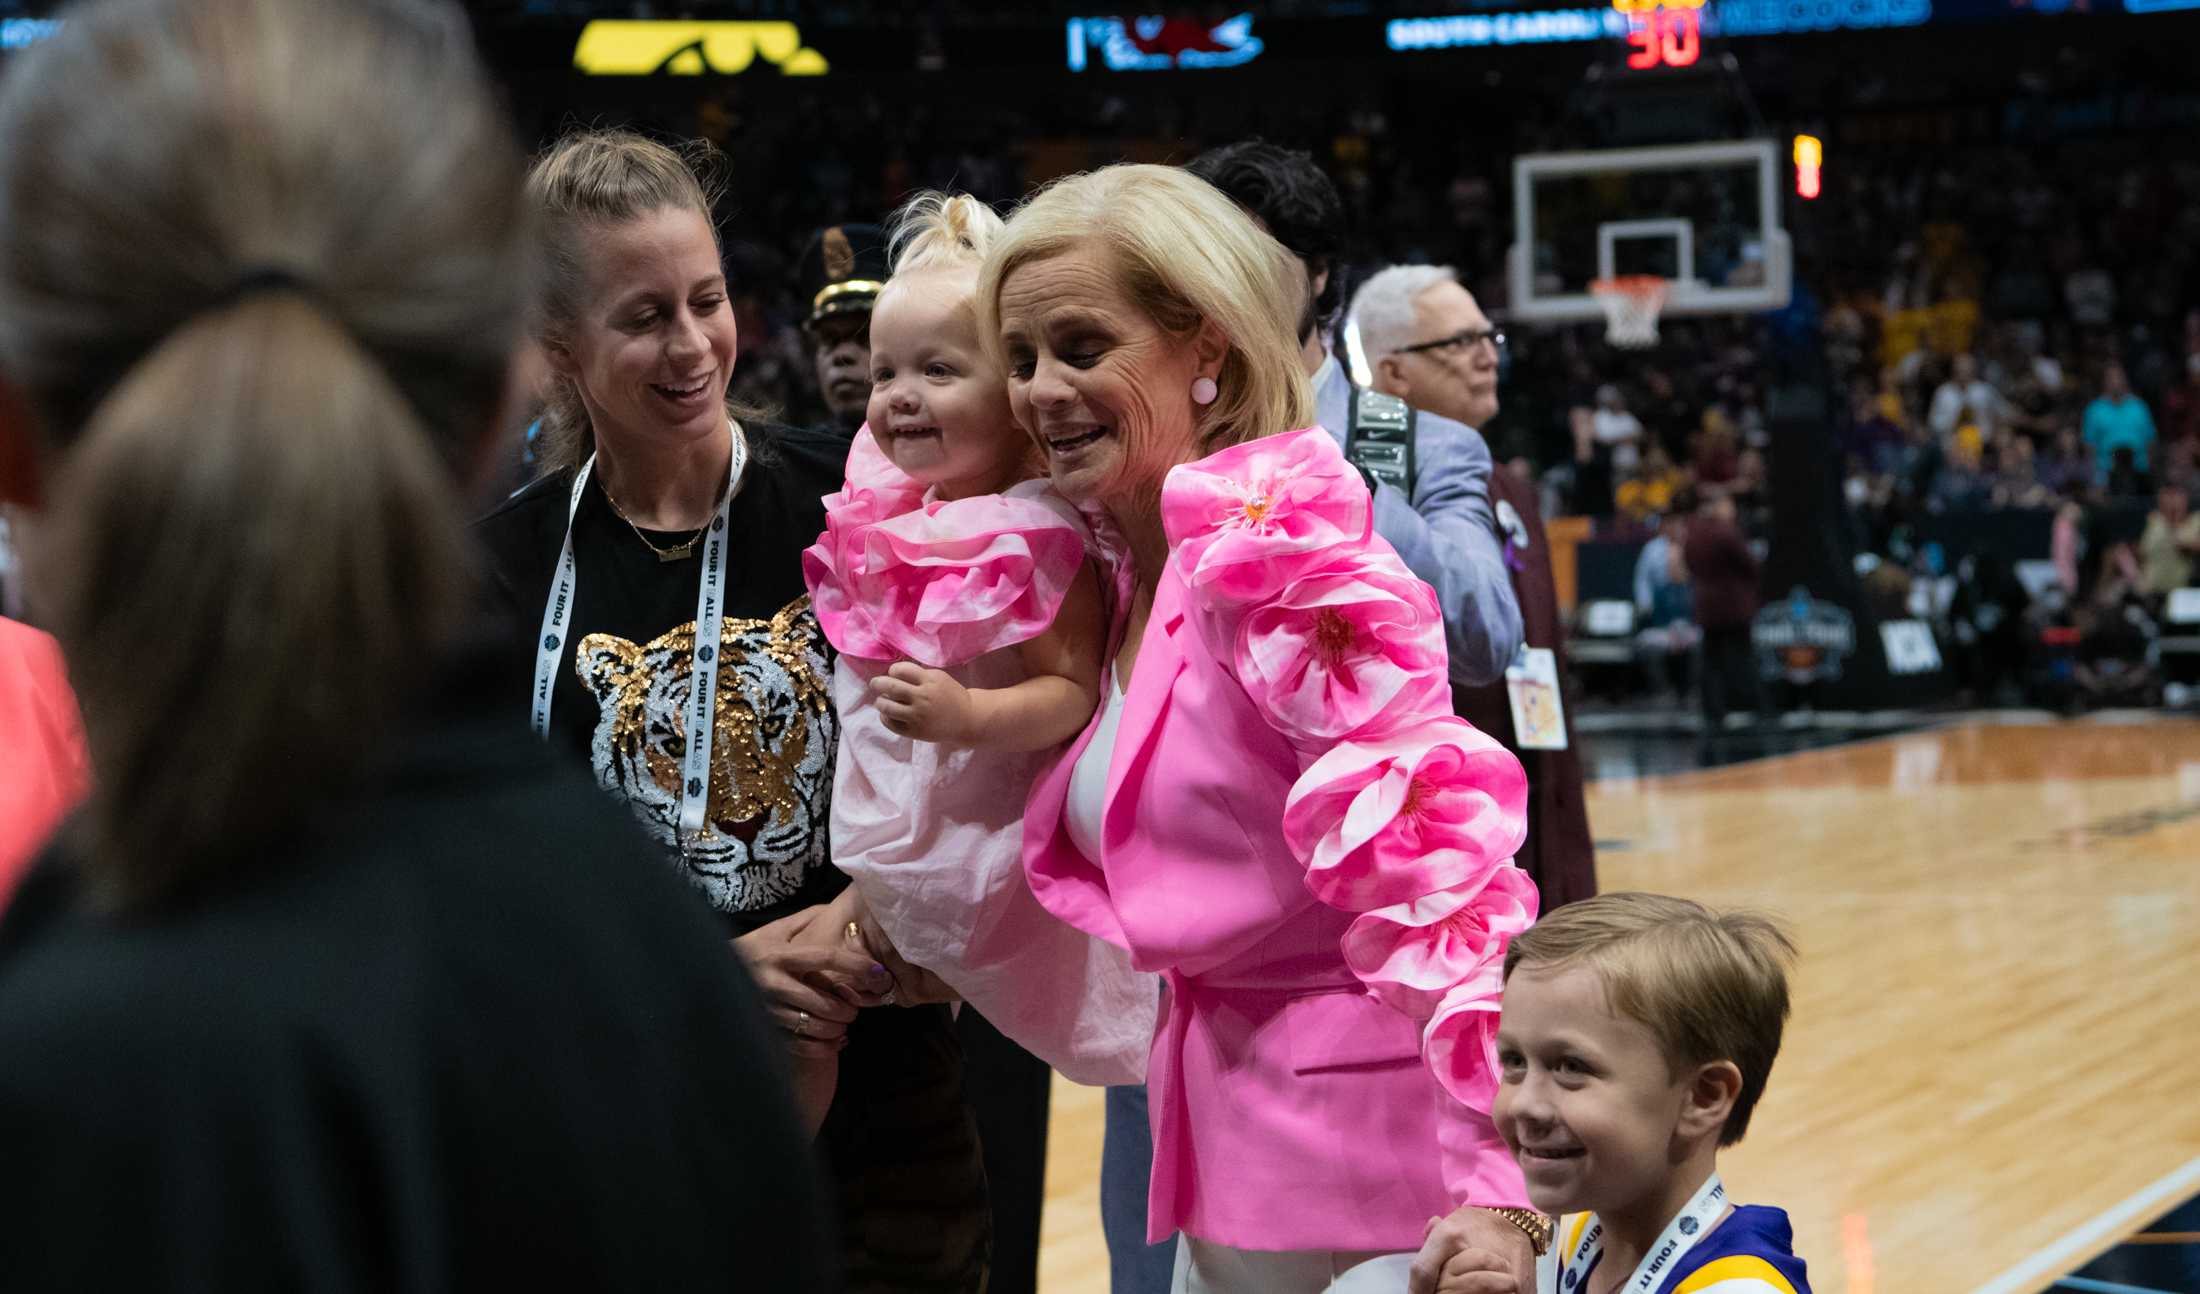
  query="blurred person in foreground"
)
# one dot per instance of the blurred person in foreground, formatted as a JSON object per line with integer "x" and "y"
{"x": 340, "y": 982}
{"x": 1430, "y": 345}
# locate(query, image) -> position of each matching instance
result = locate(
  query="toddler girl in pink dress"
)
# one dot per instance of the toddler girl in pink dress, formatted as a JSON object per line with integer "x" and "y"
{"x": 966, "y": 603}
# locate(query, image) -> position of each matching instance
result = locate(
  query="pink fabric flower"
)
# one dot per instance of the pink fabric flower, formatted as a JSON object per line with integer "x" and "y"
{"x": 1387, "y": 820}
{"x": 1411, "y": 954}
{"x": 1244, "y": 522}
{"x": 1460, "y": 1043}
{"x": 1345, "y": 651}
{"x": 895, "y": 578}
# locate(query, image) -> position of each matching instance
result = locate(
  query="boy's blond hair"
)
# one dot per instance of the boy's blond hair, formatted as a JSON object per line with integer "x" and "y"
{"x": 1709, "y": 985}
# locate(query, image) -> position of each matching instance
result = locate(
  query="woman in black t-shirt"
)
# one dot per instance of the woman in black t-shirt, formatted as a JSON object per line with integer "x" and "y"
{"x": 660, "y": 517}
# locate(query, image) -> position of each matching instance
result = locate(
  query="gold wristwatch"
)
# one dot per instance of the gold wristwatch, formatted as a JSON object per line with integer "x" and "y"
{"x": 1534, "y": 1225}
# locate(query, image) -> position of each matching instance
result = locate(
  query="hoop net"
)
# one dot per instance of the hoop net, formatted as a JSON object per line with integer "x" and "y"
{"x": 1631, "y": 303}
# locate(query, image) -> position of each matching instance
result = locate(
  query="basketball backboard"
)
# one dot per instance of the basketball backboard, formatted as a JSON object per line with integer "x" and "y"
{"x": 1705, "y": 216}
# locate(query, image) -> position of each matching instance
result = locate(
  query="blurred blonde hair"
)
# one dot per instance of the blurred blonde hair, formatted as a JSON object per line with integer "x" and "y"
{"x": 1184, "y": 254}
{"x": 1708, "y": 985}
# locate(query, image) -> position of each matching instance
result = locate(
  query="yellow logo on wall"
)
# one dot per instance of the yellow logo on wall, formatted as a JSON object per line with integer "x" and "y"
{"x": 610, "y": 47}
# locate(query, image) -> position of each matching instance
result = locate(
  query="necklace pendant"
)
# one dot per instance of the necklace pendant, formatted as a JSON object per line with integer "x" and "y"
{"x": 682, "y": 553}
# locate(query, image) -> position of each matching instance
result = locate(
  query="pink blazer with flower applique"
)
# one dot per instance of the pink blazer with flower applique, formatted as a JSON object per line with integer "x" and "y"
{"x": 1316, "y": 855}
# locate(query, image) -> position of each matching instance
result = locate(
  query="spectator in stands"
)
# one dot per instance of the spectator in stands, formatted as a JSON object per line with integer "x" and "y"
{"x": 2066, "y": 547}
{"x": 1722, "y": 575}
{"x": 1617, "y": 430}
{"x": 2181, "y": 403}
{"x": 2169, "y": 543}
{"x": 2090, "y": 293}
{"x": 1870, "y": 436}
{"x": 1967, "y": 399}
{"x": 2115, "y": 631}
{"x": 2125, "y": 479}
{"x": 2068, "y": 469}
{"x": 1665, "y": 614}
{"x": 1593, "y": 493}
{"x": 1648, "y": 492}
{"x": 1717, "y": 450}
{"x": 2118, "y": 419}
{"x": 2016, "y": 481}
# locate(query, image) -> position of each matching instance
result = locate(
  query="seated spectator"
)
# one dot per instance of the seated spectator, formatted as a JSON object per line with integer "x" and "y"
{"x": 1649, "y": 490}
{"x": 1967, "y": 398}
{"x": 2118, "y": 419}
{"x": 1665, "y": 615}
{"x": 2066, "y": 546}
{"x": 2017, "y": 482}
{"x": 2115, "y": 630}
{"x": 2181, "y": 404}
{"x": 1872, "y": 437}
{"x": 1616, "y": 429}
{"x": 2067, "y": 469}
{"x": 1718, "y": 450}
{"x": 1964, "y": 482}
{"x": 2169, "y": 543}
{"x": 1592, "y": 494}
{"x": 2126, "y": 480}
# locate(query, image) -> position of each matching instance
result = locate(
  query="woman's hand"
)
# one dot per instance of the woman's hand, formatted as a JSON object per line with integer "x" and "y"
{"x": 913, "y": 985}
{"x": 813, "y": 983}
{"x": 926, "y": 704}
{"x": 1473, "y": 1251}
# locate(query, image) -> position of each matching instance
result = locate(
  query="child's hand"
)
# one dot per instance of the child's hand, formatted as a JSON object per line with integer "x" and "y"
{"x": 926, "y": 704}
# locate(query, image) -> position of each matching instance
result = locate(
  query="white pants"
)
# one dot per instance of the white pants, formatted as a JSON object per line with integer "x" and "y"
{"x": 1204, "y": 1268}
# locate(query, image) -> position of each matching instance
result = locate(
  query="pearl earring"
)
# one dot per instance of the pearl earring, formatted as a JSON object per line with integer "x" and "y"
{"x": 1204, "y": 390}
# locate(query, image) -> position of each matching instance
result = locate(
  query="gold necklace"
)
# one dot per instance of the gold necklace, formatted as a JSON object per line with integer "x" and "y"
{"x": 678, "y": 552}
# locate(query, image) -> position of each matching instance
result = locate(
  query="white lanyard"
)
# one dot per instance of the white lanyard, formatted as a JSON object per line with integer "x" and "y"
{"x": 710, "y": 613}
{"x": 1569, "y": 1273}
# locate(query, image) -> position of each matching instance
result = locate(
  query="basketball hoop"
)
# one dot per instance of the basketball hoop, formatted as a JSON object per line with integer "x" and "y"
{"x": 1631, "y": 303}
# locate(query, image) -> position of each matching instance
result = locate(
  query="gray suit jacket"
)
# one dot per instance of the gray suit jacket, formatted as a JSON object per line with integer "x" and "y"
{"x": 1446, "y": 532}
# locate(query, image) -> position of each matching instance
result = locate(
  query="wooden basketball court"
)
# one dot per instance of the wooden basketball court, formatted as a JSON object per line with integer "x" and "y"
{"x": 1990, "y": 1076}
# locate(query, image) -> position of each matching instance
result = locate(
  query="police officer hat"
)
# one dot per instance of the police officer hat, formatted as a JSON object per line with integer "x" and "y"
{"x": 843, "y": 270}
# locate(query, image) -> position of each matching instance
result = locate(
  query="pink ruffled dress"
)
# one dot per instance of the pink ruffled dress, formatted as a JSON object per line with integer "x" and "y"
{"x": 1317, "y": 854}
{"x": 931, "y": 834}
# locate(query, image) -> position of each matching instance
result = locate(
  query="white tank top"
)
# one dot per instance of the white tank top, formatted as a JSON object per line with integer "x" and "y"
{"x": 1088, "y": 781}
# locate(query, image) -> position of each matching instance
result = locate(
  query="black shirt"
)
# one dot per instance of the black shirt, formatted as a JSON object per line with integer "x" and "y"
{"x": 620, "y": 693}
{"x": 900, "y": 1142}
{"x": 452, "y": 1039}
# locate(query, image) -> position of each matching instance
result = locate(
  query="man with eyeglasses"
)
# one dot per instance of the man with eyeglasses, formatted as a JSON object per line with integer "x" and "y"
{"x": 1428, "y": 343}
{"x": 1429, "y": 474}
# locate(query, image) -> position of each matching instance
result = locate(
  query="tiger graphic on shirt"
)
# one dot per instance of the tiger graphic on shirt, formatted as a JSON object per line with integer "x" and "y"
{"x": 772, "y": 743}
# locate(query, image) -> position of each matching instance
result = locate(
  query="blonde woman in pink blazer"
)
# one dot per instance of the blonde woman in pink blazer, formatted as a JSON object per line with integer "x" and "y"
{"x": 1275, "y": 809}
